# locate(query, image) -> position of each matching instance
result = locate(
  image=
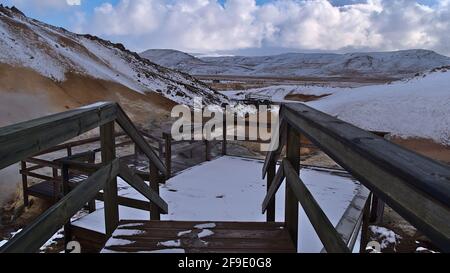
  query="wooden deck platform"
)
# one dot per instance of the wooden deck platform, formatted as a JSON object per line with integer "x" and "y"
{"x": 200, "y": 237}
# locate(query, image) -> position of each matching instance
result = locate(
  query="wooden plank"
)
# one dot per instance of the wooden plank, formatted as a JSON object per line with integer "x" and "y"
{"x": 22, "y": 140}
{"x": 168, "y": 154}
{"x": 110, "y": 190}
{"x": 26, "y": 201}
{"x": 218, "y": 224}
{"x": 274, "y": 154}
{"x": 155, "y": 213}
{"x": 270, "y": 207}
{"x": 291, "y": 202}
{"x": 275, "y": 185}
{"x": 414, "y": 186}
{"x": 239, "y": 237}
{"x": 127, "y": 125}
{"x": 325, "y": 230}
{"x": 128, "y": 202}
{"x": 138, "y": 184}
{"x": 350, "y": 224}
{"x": 32, "y": 237}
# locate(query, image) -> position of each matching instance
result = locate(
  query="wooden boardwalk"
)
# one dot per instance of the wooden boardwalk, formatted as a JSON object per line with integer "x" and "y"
{"x": 200, "y": 237}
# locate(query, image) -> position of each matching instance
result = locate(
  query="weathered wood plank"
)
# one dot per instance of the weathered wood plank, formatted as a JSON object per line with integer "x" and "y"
{"x": 291, "y": 202}
{"x": 138, "y": 184}
{"x": 270, "y": 207}
{"x": 416, "y": 187}
{"x": 274, "y": 154}
{"x": 350, "y": 224}
{"x": 25, "y": 139}
{"x": 275, "y": 185}
{"x": 127, "y": 125}
{"x": 325, "y": 230}
{"x": 110, "y": 190}
{"x": 32, "y": 237}
{"x": 239, "y": 237}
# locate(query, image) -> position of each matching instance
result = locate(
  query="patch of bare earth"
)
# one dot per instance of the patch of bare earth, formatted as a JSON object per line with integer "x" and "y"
{"x": 303, "y": 97}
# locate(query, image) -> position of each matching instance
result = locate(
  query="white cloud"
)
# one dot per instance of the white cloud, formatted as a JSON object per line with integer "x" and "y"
{"x": 205, "y": 25}
{"x": 42, "y": 5}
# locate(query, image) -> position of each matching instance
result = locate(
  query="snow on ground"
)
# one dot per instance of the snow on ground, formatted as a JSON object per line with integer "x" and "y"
{"x": 386, "y": 237}
{"x": 231, "y": 189}
{"x": 419, "y": 107}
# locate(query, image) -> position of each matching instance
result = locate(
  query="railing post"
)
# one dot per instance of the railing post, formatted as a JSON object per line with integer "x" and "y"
{"x": 155, "y": 213}
{"x": 56, "y": 185}
{"x": 65, "y": 190}
{"x": 365, "y": 225}
{"x": 26, "y": 200}
{"x": 224, "y": 133}
{"x": 291, "y": 206}
{"x": 92, "y": 205}
{"x": 271, "y": 170}
{"x": 107, "y": 141}
{"x": 207, "y": 150}
{"x": 168, "y": 154}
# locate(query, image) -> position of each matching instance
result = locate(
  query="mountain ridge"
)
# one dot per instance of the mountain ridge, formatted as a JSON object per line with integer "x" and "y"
{"x": 397, "y": 64}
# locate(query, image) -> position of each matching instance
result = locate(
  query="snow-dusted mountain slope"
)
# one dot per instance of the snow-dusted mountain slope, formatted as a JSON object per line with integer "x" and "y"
{"x": 418, "y": 107}
{"x": 54, "y": 52}
{"x": 397, "y": 64}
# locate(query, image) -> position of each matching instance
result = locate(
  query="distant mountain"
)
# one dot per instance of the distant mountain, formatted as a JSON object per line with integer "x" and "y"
{"x": 398, "y": 64}
{"x": 55, "y": 53}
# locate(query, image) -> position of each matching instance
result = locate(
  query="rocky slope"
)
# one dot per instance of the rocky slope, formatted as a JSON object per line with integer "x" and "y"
{"x": 54, "y": 52}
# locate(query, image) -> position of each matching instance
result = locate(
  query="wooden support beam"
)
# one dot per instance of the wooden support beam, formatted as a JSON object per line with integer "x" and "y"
{"x": 111, "y": 209}
{"x": 207, "y": 150}
{"x": 224, "y": 134}
{"x": 291, "y": 206}
{"x": 274, "y": 186}
{"x": 168, "y": 154}
{"x": 139, "y": 185}
{"x": 127, "y": 125}
{"x": 26, "y": 200}
{"x": 155, "y": 213}
{"x": 330, "y": 238}
{"x": 271, "y": 206}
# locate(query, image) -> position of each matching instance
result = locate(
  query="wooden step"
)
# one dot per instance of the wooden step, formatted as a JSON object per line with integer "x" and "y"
{"x": 178, "y": 236}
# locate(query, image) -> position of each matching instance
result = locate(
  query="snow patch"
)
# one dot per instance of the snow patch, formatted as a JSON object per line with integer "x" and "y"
{"x": 203, "y": 226}
{"x": 173, "y": 243}
{"x": 205, "y": 233}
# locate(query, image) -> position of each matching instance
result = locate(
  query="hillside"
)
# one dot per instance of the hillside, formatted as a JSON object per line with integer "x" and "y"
{"x": 396, "y": 65}
{"x": 417, "y": 107}
{"x": 61, "y": 56}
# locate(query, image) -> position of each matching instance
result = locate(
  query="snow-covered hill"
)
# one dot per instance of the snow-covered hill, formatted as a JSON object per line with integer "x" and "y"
{"x": 418, "y": 107}
{"x": 53, "y": 52}
{"x": 398, "y": 64}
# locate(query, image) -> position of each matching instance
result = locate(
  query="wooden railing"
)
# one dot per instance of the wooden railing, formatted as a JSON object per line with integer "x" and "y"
{"x": 27, "y": 139}
{"x": 416, "y": 187}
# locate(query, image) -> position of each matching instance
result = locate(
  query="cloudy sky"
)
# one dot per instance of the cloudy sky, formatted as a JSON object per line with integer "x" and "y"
{"x": 254, "y": 27}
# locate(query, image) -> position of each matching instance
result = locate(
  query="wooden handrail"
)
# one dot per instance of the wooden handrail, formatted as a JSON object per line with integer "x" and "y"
{"x": 20, "y": 141}
{"x": 23, "y": 140}
{"x": 322, "y": 225}
{"x": 31, "y": 238}
{"x": 416, "y": 187}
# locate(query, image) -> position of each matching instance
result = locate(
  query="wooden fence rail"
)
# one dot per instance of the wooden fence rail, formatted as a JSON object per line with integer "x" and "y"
{"x": 416, "y": 187}
{"x": 21, "y": 141}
